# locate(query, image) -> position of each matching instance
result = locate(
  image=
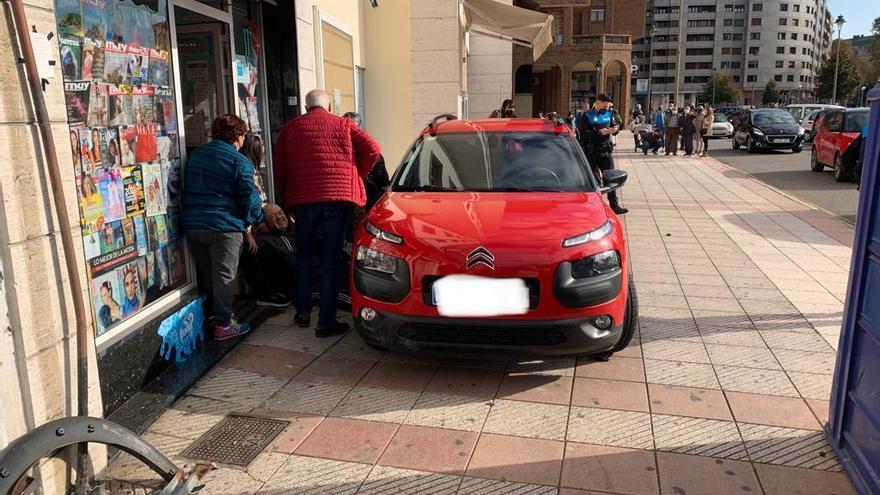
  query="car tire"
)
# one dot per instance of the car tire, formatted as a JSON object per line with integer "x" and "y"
{"x": 630, "y": 317}
{"x": 735, "y": 143}
{"x": 815, "y": 164}
{"x": 750, "y": 148}
{"x": 797, "y": 149}
{"x": 840, "y": 175}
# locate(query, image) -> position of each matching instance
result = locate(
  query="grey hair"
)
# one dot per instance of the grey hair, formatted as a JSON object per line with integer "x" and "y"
{"x": 318, "y": 98}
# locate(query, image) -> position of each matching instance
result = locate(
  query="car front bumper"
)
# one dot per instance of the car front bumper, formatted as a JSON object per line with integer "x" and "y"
{"x": 481, "y": 338}
{"x": 765, "y": 142}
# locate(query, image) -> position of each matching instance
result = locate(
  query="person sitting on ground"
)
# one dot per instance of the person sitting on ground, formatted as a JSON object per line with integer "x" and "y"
{"x": 507, "y": 111}
{"x": 269, "y": 262}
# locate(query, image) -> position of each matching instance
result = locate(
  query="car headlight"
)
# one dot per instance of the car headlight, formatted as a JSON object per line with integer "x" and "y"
{"x": 758, "y": 132}
{"x": 370, "y": 259}
{"x": 593, "y": 235}
{"x": 800, "y": 131}
{"x": 382, "y": 234}
{"x": 597, "y": 264}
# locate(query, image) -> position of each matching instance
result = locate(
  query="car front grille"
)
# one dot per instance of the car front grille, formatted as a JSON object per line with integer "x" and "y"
{"x": 533, "y": 284}
{"x": 443, "y": 333}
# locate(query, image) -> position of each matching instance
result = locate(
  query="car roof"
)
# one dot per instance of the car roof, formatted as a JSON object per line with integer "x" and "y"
{"x": 495, "y": 125}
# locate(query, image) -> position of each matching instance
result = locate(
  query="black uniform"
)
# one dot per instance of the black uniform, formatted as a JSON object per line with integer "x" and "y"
{"x": 597, "y": 147}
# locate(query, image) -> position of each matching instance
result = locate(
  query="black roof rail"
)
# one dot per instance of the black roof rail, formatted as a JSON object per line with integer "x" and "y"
{"x": 446, "y": 117}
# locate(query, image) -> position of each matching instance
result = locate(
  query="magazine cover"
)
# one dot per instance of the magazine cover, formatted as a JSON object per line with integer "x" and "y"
{"x": 127, "y": 142}
{"x": 119, "y": 106}
{"x": 94, "y": 19}
{"x": 68, "y": 14}
{"x": 97, "y": 105}
{"x": 161, "y": 230}
{"x": 162, "y": 268}
{"x": 116, "y": 63}
{"x": 115, "y": 22}
{"x": 128, "y": 237}
{"x": 87, "y": 163}
{"x": 156, "y": 202}
{"x": 142, "y": 105}
{"x": 92, "y": 245}
{"x": 166, "y": 115}
{"x": 140, "y": 232}
{"x": 145, "y": 147}
{"x": 112, "y": 193}
{"x": 253, "y": 114}
{"x": 112, "y": 238}
{"x": 71, "y": 57}
{"x": 93, "y": 59}
{"x": 113, "y": 157}
{"x": 132, "y": 182}
{"x": 93, "y": 147}
{"x": 91, "y": 205}
{"x": 150, "y": 270}
{"x": 76, "y": 95}
{"x": 106, "y": 297}
{"x": 175, "y": 263}
{"x": 138, "y": 64}
{"x": 75, "y": 151}
{"x": 132, "y": 288}
{"x": 159, "y": 67}
{"x": 139, "y": 25}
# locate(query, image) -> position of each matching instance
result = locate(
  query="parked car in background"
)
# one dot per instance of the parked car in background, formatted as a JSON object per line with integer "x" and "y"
{"x": 801, "y": 110}
{"x": 768, "y": 128}
{"x": 814, "y": 125}
{"x": 721, "y": 127}
{"x": 835, "y": 134}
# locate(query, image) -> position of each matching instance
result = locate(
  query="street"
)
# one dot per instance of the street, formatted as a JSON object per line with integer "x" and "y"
{"x": 790, "y": 172}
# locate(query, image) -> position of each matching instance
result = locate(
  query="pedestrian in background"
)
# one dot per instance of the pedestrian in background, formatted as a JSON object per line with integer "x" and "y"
{"x": 595, "y": 129}
{"x": 688, "y": 131}
{"x": 659, "y": 120}
{"x": 320, "y": 162}
{"x": 708, "y": 118}
{"x": 220, "y": 203}
{"x": 673, "y": 127}
{"x": 507, "y": 111}
{"x": 254, "y": 149}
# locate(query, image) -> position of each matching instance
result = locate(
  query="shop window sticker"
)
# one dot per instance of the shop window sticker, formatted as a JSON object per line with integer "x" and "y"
{"x": 182, "y": 331}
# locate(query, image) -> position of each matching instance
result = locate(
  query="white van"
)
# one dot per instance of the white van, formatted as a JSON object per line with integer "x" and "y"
{"x": 801, "y": 110}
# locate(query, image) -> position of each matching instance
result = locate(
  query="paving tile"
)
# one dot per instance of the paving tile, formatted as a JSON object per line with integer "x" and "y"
{"x": 465, "y": 381}
{"x": 308, "y": 397}
{"x": 770, "y": 410}
{"x": 687, "y": 474}
{"x": 482, "y": 486}
{"x": 755, "y": 381}
{"x": 728, "y": 319}
{"x": 742, "y": 357}
{"x": 335, "y": 370}
{"x": 688, "y": 401}
{"x": 672, "y": 289}
{"x": 611, "y": 469}
{"x": 692, "y": 279}
{"x": 290, "y": 337}
{"x": 610, "y": 394}
{"x": 536, "y": 388}
{"x": 527, "y": 419}
{"x": 713, "y": 291}
{"x": 713, "y": 303}
{"x": 732, "y": 336}
{"x": 617, "y": 368}
{"x": 553, "y": 367}
{"x": 402, "y": 376}
{"x": 669, "y": 350}
{"x": 525, "y": 460}
{"x": 780, "y": 480}
{"x": 811, "y": 385}
{"x": 407, "y": 358}
{"x": 758, "y": 294}
{"x": 301, "y": 426}
{"x": 352, "y": 346}
{"x": 240, "y": 387}
{"x": 664, "y": 301}
{"x": 190, "y": 417}
{"x": 267, "y": 360}
{"x": 430, "y": 449}
{"x": 478, "y": 364}
{"x": 796, "y": 341}
{"x": 226, "y": 481}
{"x": 789, "y": 447}
{"x": 302, "y": 475}
{"x": 820, "y": 409}
{"x": 633, "y": 350}
{"x": 455, "y": 412}
{"x": 682, "y": 374}
{"x": 672, "y": 329}
{"x": 385, "y": 479}
{"x": 807, "y": 362}
{"x": 608, "y": 427}
{"x": 376, "y": 404}
{"x": 346, "y": 439}
{"x": 698, "y": 436}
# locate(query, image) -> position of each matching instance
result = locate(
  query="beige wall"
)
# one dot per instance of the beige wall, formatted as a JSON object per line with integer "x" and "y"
{"x": 38, "y": 353}
{"x": 388, "y": 78}
{"x": 435, "y": 39}
{"x": 489, "y": 74}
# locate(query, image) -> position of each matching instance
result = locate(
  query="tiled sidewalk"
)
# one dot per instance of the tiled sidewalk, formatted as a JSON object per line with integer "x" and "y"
{"x": 741, "y": 292}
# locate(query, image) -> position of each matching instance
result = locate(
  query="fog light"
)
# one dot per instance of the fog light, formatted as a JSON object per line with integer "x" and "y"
{"x": 368, "y": 314}
{"x": 603, "y": 322}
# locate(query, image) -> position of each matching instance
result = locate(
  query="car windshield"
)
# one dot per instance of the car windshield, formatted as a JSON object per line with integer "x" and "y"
{"x": 796, "y": 112}
{"x": 769, "y": 118}
{"x": 855, "y": 121}
{"x": 720, "y": 117}
{"x": 495, "y": 161}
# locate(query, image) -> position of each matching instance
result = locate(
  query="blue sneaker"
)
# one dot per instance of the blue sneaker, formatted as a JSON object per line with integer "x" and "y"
{"x": 234, "y": 329}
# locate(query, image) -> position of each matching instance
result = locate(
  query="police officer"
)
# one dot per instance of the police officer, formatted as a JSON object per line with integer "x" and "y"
{"x": 595, "y": 129}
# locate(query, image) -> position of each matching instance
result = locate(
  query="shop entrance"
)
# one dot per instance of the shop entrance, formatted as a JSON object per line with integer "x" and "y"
{"x": 206, "y": 90}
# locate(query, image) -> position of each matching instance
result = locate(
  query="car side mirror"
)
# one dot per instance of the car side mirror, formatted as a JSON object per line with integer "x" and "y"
{"x": 612, "y": 179}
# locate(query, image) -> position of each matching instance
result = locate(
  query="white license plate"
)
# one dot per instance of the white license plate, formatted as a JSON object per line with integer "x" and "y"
{"x": 472, "y": 296}
{"x": 780, "y": 140}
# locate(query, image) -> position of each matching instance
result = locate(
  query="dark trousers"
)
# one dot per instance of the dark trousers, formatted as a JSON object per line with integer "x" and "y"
{"x": 672, "y": 134}
{"x": 602, "y": 161}
{"x": 216, "y": 255}
{"x": 331, "y": 220}
{"x": 688, "y": 144}
{"x": 705, "y": 142}
{"x": 270, "y": 271}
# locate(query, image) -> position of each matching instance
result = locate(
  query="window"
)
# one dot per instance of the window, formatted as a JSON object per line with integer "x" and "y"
{"x": 756, "y": 21}
{"x": 783, "y": 7}
{"x": 665, "y": 66}
{"x": 736, "y": 65}
{"x": 757, "y": 7}
{"x": 698, "y": 51}
{"x": 751, "y": 78}
{"x": 666, "y": 24}
{"x": 701, "y": 23}
{"x": 739, "y": 22}
{"x": 728, "y": 22}
{"x": 736, "y": 79}
{"x": 739, "y": 8}
{"x": 790, "y": 78}
{"x": 727, "y": 36}
{"x": 804, "y": 51}
{"x": 666, "y": 37}
{"x": 701, "y": 9}
{"x": 597, "y": 15}
{"x": 753, "y": 64}
{"x": 753, "y": 50}
{"x": 795, "y": 22}
{"x": 728, "y": 7}
{"x": 698, "y": 65}
{"x": 792, "y": 50}
{"x": 696, "y": 79}
{"x": 780, "y": 36}
{"x": 780, "y": 49}
{"x": 797, "y": 8}
{"x": 666, "y": 10}
{"x": 794, "y": 36}
{"x": 755, "y": 36}
{"x": 783, "y": 21}
{"x": 701, "y": 37}
{"x": 777, "y": 78}
{"x": 665, "y": 52}
{"x": 791, "y": 64}
{"x": 663, "y": 80}
{"x": 780, "y": 64}
{"x": 737, "y": 36}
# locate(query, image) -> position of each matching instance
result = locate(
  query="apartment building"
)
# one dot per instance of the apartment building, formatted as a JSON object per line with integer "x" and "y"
{"x": 751, "y": 41}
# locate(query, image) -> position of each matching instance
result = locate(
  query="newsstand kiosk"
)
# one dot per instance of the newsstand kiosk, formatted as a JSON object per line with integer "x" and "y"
{"x": 853, "y": 428}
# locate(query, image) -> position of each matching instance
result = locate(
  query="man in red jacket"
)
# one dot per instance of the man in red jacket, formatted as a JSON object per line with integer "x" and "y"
{"x": 319, "y": 166}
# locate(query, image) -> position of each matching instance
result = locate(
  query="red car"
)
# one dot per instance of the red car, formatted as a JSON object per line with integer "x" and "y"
{"x": 835, "y": 132}
{"x": 494, "y": 239}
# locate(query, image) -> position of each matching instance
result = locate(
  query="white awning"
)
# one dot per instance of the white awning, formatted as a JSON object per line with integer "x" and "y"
{"x": 521, "y": 26}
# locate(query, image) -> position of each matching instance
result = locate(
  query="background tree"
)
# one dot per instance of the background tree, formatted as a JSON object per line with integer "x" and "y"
{"x": 725, "y": 91}
{"x": 771, "y": 93}
{"x": 849, "y": 79}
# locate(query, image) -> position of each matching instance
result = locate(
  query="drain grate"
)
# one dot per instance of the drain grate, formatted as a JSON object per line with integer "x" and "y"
{"x": 236, "y": 439}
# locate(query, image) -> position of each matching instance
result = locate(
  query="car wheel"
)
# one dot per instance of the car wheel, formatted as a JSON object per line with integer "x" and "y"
{"x": 815, "y": 164}
{"x": 797, "y": 149}
{"x": 750, "y": 148}
{"x": 840, "y": 174}
{"x": 735, "y": 143}
{"x": 629, "y": 318}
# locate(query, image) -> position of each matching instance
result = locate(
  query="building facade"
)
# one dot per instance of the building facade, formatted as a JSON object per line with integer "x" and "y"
{"x": 591, "y": 54}
{"x": 751, "y": 41}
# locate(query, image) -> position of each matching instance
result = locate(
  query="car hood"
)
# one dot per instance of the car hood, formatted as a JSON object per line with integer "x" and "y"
{"x": 778, "y": 128}
{"x": 478, "y": 217}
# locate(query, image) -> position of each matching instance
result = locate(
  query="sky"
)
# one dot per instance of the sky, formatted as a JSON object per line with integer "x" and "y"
{"x": 859, "y": 15}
